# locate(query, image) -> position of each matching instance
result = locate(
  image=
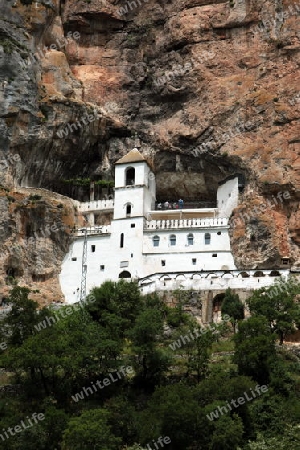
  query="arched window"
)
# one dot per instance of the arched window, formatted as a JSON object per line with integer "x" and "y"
{"x": 207, "y": 238}
{"x": 156, "y": 240}
{"x": 125, "y": 274}
{"x": 128, "y": 209}
{"x": 172, "y": 239}
{"x": 122, "y": 240}
{"x": 190, "y": 239}
{"x": 130, "y": 176}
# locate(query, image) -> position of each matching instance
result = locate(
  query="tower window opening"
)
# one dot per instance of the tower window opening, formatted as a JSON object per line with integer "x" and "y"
{"x": 207, "y": 238}
{"x": 194, "y": 261}
{"x": 122, "y": 240}
{"x": 93, "y": 248}
{"x": 130, "y": 176}
{"x": 128, "y": 209}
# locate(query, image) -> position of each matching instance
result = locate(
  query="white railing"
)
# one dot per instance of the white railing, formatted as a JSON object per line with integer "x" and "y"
{"x": 184, "y": 223}
{"x": 96, "y": 205}
{"x": 101, "y": 229}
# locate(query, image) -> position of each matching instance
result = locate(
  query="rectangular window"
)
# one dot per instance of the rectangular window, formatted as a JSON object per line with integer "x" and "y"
{"x": 93, "y": 248}
{"x": 194, "y": 261}
{"x": 214, "y": 255}
{"x": 132, "y": 225}
{"x": 163, "y": 262}
{"x": 102, "y": 268}
{"x": 74, "y": 259}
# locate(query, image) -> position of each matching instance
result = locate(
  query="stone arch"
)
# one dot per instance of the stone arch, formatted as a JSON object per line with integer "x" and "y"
{"x": 243, "y": 275}
{"x": 180, "y": 277}
{"x": 259, "y": 273}
{"x": 196, "y": 276}
{"x": 211, "y": 275}
{"x": 227, "y": 275}
{"x": 125, "y": 274}
{"x": 274, "y": 273}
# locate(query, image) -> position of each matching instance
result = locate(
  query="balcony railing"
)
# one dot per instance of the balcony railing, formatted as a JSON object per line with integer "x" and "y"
{"x": 184, "y": 223}
{"x": 97, "y": 205}
{"x": 101, "y": 229}
{"x": 186, "y": 205}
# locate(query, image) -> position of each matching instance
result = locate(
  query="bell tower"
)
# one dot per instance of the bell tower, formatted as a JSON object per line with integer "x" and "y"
{"x": 135, "y": 191}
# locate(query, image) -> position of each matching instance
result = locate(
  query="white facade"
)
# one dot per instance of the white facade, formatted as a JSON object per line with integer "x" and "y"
{"x": 141, "y": 241}
{"x": 228, "y": 197}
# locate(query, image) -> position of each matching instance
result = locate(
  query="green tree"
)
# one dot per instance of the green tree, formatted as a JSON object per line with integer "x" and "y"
{"x": 116, "y": 306}
{"x": 233, "y": 307}
{"x": 198, "y": 351}
{"x": 227, "y": 433}
{"x": 19, "y": 323}
{"x": 89, "y": 431}
{"x": 173, "y": 411}
{"x": 150, "y": 360}
{"x": 63, "y": 356}
{"x": 277, "y": 304}
{"x": 255, "y": 348}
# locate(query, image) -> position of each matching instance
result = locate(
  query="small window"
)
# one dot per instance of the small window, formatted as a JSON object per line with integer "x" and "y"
{"x": 132, "y": 225}
{"x": 74, "y": 259}
{"x": 102, "y": 268}
{"x": 219, "y": 233}
{"x": 128, "y": 209}
{"x": 93, "y": 248}
{"x": 122, "y": 240}
{"x": 156, "y": 241}
{"x": 163, "y": 262}
{"x": 214, "y": 255}
{"x": 131, "y": 255}
{"x": 172, "y": 239}
{"x": 190, "y": 239}
{"x": 194, "y": 261}
{"x": 207, "y": 238}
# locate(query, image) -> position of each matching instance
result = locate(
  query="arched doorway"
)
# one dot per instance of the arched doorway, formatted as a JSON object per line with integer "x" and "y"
{"x": 216, "y": 307}
{"x": 125, "y": 274}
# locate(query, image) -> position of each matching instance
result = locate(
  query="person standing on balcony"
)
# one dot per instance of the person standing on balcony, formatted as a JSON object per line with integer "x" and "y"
{"x": 159, "y": 206}
{"x": 166, "y": 205}
{"x": 180, "y": 202}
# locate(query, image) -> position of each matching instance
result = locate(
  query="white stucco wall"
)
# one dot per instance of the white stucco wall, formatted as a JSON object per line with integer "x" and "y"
{"x": 227, "y": 197}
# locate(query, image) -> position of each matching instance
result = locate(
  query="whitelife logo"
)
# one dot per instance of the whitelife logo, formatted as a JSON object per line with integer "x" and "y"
{"x": 102, "y": 384}
{"x": 19, "y": 428}
{"x": 241, "y": 400}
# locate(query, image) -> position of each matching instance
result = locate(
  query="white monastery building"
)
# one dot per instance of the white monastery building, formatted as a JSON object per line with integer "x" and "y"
{"x": 161, "y": 248}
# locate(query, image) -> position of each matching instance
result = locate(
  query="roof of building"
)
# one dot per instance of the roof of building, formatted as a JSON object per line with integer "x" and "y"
{"x": 132, "y": 157}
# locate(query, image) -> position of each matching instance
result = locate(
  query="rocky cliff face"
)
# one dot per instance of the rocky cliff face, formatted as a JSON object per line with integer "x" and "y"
{"x": 205, "y": 88}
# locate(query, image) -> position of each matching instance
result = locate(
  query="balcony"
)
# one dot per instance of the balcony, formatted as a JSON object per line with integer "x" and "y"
{"x": 176, "y": 224}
